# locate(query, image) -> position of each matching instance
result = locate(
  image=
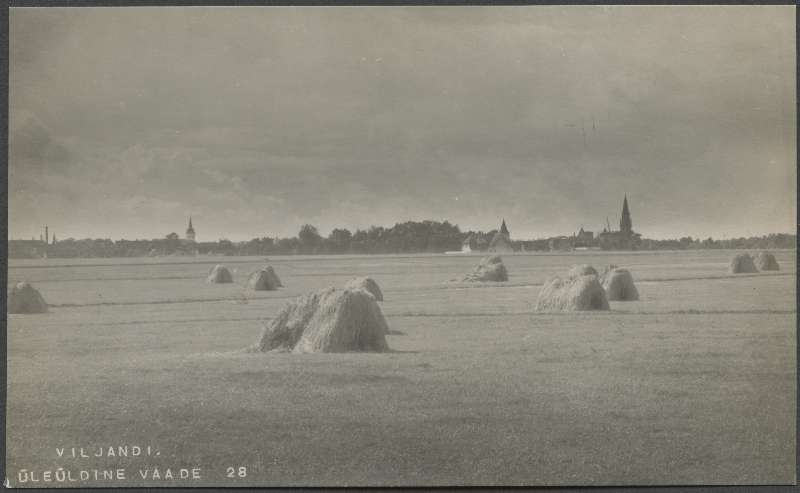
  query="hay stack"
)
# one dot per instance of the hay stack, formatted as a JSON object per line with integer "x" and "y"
{"x": 742, "y": 264}
{"x": 264, "y": 280}
{"x": 608, "y": 268}
{"x": 219, "y": 275}
{"x": 24, "y": 298}
{"x": 368, "y": 284}
{"x": 490, "y": 268}
{"x": 328, "y": 321}
{"x": 582, "y": 270}
{"x": 766, "y": 261}
{"x": 492, "y": 259}
{"x": 619, "y": 285}
{"x": 572, "y": 294}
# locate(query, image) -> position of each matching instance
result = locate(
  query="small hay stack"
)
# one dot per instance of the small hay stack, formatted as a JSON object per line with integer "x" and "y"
{"x": 490, "y": 268}
{"x": 219, "y": 275}
{"x": 742, "y": 264}
{"x": 619, "y": 285}
{"x": 492, "y": 259}
{"x": 766, "y": 261}
{"x": 264, "y": 280}
{"x": 582, "y": 270}
{"x": 328, "y": 321}
{"x": 24, "y": 298}
{"x": 572, "y": 294}
{"x": 608, "y": 268}
{"x": 368, "y": 284}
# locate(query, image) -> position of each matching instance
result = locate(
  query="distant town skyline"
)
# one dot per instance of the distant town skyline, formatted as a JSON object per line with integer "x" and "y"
{"x": 255, "y": 121}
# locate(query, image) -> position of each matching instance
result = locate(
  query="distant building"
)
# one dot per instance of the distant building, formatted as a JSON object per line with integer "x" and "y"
{"x": 190, "y": 231}
{"x": 561, "y": 243}
{"x": 466, "y": 246}
{"x": 534, "y": 245}
{"x": 584, "y": 239}
{"x": 625, "y": 238}
{"x": 32, "y": 248}
{"x": 501, "y": 242}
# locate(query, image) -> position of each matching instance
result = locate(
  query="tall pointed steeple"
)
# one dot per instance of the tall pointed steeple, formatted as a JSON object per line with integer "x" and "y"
{"x": 504, "y": 229}
{"x": 625, "y": 223}
{"x": 190, "y": 230}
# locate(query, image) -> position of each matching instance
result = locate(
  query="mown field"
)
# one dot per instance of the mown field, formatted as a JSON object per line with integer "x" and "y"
{"x": 695, "y": 383}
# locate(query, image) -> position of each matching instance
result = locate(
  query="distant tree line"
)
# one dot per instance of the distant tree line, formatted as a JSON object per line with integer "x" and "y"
{"x": 407, "y": 237}
{"x": 767, "y": 242}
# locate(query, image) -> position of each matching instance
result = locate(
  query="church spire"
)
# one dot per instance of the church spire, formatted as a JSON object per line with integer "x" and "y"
{"x": 503, "y": 228}
{"x": 190, "y": 231}
{"x": 625, "y": 223}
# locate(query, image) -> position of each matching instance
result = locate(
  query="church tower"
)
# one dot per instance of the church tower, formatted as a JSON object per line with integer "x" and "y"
{"x": 625, "y": 224}
{"x": 504, "y": 229}
{"x": 190, "y": 231}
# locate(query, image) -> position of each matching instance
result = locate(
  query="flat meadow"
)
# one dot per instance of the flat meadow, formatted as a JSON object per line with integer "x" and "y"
{"x": 693, "y": 384}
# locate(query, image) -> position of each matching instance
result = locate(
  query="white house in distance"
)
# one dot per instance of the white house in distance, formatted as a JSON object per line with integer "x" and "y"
{"x": 465, "y": 248}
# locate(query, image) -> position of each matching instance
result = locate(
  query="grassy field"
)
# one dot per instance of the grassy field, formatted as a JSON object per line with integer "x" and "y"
{"x": 695, "y": 383}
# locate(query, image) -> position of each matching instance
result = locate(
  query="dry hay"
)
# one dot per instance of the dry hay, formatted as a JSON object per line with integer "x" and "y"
{"x": 742, "y": 264}
{"x": 219, "y": 275}
{"x": 264, "y": 280}
{"x": 608, "y": 268}
{"x": 572, "y": 294}
{"x": 619, "y": 285}
{"x": 368, "y": 284}
{"x": 490, "y": 268}
{"x": 582, "y": 270}
{"x": 24, "y": 298}
{"x": 328, "y": 321}
{"x": 766, "y": 261}
{"x": 491, "y": 259}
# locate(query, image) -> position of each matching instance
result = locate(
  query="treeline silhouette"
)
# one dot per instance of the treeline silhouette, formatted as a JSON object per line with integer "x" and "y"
{"x": 407, "y": 237}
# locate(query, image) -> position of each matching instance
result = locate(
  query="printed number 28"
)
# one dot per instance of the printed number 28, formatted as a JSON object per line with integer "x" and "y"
{"x": 233, "y": 472}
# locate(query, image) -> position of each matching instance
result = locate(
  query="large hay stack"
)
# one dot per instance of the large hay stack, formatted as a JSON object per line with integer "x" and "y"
{"x": 368, "y": 284}
{"x": 742, "y": 264}
{"x": 219, "y": 275}
{"x": 24, "y": 298}
{"x": 582, "y": 270}
{"x": 619, "y": 286}
{"x": 264, "y": 280}
{"x": 328, "y": 321}
{"x": 766, "y": 261}
{"x": 572, "y": 294}
{"x": 490, "y": 269}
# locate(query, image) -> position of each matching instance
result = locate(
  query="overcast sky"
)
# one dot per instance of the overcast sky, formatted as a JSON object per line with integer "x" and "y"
{"x": 124, "y": 121}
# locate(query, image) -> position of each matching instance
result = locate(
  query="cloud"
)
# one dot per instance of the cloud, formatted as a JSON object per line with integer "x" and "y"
{"x": 257, "y": 120}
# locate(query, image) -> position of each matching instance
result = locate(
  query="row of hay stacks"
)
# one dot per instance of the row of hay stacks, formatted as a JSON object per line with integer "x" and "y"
{"x": 330, "y": 321}
{"x": 584, "y": 289}
{"x": 490, "y": 269}
{"x": 744, "y": 263}
{"x": 261, "y": 280}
